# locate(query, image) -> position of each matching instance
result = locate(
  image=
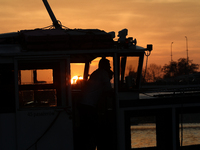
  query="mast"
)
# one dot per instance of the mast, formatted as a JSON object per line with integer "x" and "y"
{"x": 51, "y": 14}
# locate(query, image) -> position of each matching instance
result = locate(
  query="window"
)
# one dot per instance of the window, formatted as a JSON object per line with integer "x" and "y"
{"x": 94, "y": 65}
{"x": 36, "y": 88}
{"x": 43, "y": 76}
{"x": 128, "y": 72}
{"x": 131, "y": 67}
{"x": 26, "y": 77}
{"x": 77, "y": 70}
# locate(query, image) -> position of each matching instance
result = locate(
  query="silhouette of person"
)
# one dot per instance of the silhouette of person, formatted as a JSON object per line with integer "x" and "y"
{"x": 97, "y": 86}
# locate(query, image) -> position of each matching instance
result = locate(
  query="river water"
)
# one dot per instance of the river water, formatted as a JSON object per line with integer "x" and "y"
{"x": 144, "y": 135}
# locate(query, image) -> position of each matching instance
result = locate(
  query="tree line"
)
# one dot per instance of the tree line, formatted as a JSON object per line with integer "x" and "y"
{"x": 174, "y": 69}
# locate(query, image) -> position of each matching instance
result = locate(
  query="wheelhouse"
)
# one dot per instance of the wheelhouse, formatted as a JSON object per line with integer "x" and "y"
{"x": 40, "y": 104}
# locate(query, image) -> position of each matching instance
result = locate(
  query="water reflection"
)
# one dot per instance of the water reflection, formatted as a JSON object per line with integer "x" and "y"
{"x": 191, "y": 134}
{"x": 144, "y": 135}
{"x": 143, "y": 131}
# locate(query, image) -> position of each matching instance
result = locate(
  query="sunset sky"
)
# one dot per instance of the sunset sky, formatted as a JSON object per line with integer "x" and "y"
{"x": 157, "y": 22}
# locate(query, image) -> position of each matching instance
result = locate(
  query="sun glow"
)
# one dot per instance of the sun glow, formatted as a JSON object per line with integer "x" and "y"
{"x": 75, "y": 79}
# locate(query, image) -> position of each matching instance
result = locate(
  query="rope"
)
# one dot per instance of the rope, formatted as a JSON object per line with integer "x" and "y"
{"x": 35, "y": 143}
{"x": 53, "y": 27}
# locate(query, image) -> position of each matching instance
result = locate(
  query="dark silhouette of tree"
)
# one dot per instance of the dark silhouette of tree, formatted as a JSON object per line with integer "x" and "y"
{"x": 170, "y": 70}
{"x": 153, "y": 73}
{"x": 181, "y": 67}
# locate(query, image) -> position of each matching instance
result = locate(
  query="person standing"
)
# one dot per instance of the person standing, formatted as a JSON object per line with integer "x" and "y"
{"x": 97, "y": 87}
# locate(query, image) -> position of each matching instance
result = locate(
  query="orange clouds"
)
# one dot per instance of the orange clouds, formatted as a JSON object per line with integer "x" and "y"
{"x": 157, "y": 22}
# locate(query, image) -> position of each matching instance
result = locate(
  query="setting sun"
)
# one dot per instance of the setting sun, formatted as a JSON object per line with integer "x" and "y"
{"x": 75, "y": 78}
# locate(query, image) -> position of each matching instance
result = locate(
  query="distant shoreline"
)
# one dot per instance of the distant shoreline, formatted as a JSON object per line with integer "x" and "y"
{"x": 149, "y": 126}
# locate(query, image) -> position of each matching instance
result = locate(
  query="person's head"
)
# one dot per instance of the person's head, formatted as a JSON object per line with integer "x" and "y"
{"x": 104, "y": 64}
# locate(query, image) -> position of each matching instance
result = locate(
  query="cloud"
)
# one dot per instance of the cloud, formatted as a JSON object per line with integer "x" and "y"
{"x": 158, "y": 22}
{"x": 165, "y": 1}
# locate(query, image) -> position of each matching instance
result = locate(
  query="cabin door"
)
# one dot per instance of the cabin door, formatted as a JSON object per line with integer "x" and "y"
{"x": 43, "y": 103}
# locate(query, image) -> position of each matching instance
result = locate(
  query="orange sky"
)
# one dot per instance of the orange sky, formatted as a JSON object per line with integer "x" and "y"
{"x": 157, "y": 22}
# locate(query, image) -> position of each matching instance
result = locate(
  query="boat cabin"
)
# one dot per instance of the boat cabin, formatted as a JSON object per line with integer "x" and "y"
{"x": 40, "y": 96}
{"x": 43, "y": 73}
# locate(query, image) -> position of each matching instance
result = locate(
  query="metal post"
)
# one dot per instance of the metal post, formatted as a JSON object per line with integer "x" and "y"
{"x": 68, "y": 80}
{"x": 63, "y": 82}
{"x": 16, "y": 101}
{"x": 116, "y": 81}
{"x": 187, "y": 47}
{"x": 171, "y": 50}
{"x": 174, "y": 138}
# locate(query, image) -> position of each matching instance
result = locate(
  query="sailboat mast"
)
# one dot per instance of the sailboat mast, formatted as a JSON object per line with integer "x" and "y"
{"x": 51, "y": 14}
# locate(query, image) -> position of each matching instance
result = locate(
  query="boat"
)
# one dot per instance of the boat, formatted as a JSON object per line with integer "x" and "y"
{"x": 43, "y": 114}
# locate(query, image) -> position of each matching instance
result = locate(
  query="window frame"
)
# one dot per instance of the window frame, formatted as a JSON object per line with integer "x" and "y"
{"x": 45, "y": 62}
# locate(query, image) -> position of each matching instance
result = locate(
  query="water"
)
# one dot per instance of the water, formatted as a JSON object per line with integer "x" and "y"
{"x": 144, "y": 135}
{"x": 191, "y": 134}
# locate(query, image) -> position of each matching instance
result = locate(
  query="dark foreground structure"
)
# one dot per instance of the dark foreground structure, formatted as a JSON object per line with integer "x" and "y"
{"x": 38, "y": 114}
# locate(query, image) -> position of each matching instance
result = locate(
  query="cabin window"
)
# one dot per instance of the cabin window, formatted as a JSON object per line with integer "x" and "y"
{"x": 94, "y": 65}
{"x": 77, "y": 70}
{"x": 26, "y": 77}
{"x": 131, "y": 67}
{"x": 36, "y": 88}
{"x": 43, "y": 76}
{"x": 128, "y": 71}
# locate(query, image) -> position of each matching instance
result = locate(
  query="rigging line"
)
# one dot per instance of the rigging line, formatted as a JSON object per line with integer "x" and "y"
{"x": 35, "y": 143}
{"x": 50, "y": 26}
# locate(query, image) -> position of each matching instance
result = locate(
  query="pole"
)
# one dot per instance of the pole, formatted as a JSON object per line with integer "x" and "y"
{"x": 51, "y": 14}
{"x": 171, "y": 50}
{"x": 186, "y": 47}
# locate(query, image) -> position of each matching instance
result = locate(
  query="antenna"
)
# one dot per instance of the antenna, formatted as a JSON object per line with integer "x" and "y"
{"x": 51, "y": 14}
